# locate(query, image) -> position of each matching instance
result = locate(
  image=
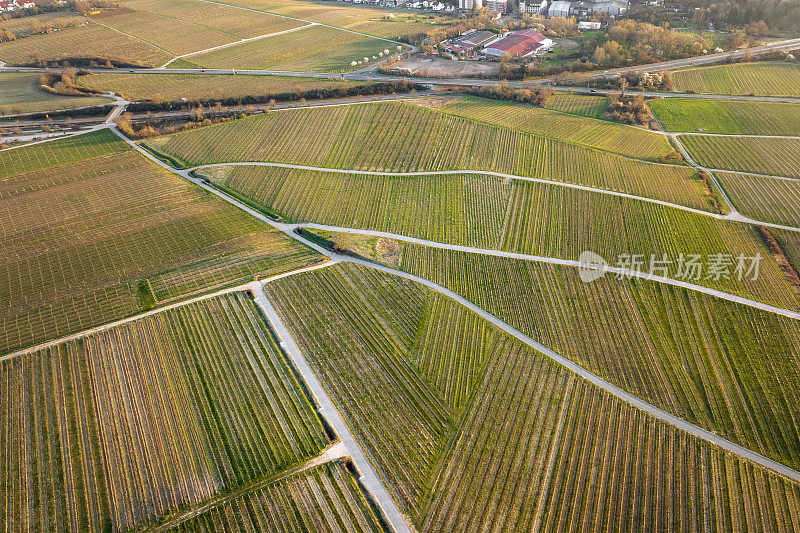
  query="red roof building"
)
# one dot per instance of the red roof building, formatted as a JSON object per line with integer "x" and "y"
{"x": 520, "y": 44}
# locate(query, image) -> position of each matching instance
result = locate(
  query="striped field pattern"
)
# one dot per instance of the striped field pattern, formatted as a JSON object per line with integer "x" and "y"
{"x": 125, "y": 426}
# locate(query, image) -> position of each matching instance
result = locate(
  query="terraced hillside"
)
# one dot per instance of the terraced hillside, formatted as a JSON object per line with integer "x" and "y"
{"x": 533, "y": 447}
{"x": 125, "y": 426}
{"x": 400, "y": 137}
{"x": 111, "y": 234}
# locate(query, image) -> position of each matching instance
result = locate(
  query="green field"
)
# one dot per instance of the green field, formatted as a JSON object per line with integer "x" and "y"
{"x": 171, "y": 87}
{"x": 533, "y": 447}
{"x": 324, "y": 498}
{"x": 124, "y": 427}
{"x": 729, "y": 368}
{"x": 617, "y": 138}
{"x": 763, "y": 78}
{"x": 730, "y": 117}
{"x": 98, "y": 239}
{"x": 766, "y": 199}
{"x": 577, "y": 104}
{"x": 761, "y": 155}
{"x": 22, "y": 93}
{"x": 512, "y": 215}
{"x": 23, "y": 26}
{"x": 58, "y": 152}
{"x": 402, "y": 137}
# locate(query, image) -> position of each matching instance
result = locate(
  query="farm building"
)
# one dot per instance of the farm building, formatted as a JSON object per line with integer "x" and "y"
{"x": 469, "y": 42}
{"x": 519, "y": 44}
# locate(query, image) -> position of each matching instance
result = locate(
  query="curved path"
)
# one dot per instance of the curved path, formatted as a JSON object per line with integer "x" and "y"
{"x": 734, "y": 215}
{"x": 654, "y": 411}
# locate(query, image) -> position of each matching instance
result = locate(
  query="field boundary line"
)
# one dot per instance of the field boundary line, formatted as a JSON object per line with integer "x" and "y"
{"x": 788, "y": 313}
{"x": 304, "y": 20}
{"x": 327, "y": 408}
{"x": 235, "y": 43}
{"x": 596, "y": 380}
{"x": 642, "y": 405}
{"x": 734, "y": 216}
{"x": 332, "y": 452}
{"x": 130, "y": 35}
{"x": 151, "y": 312}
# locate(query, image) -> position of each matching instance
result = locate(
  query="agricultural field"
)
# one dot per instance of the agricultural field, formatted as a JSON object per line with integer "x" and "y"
{"x": 618, "y": 138}
{"x": 760, "y": 78}
{"x": 728, "y": 117}
{"x": 533, "y": 445}
{"x": 206, "y": 16}
{"x": 351, "y": 17}
{"x": 171, "y": 87}
{"x": 314, "y": 48}
{"x": 726, "y": 367}
{"x": 128, "y": 425}
{"x": 491, "y": 212}
{"x": 790, "y": 243}
{"x": 24, "y": 26}
{"x": 460, "y": 209}
{"x": 180, "y": 36}
{"x": 98, "y": 239}
{"x": 766, "y": 199}
{"x": 577, "y": 104}
{"x": 355, "y": 327}
{"x": 88, "y": 40}
{"x": 324, "y": 498}
{"x": 395, "y": 136}
{"x": 761, "y": 155}
{"x": 59, "y": 152}
{"x": 22, "y": 93}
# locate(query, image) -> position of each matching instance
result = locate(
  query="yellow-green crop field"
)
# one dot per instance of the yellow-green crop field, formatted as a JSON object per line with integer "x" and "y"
{"x": 396, "y": 136}
{"x": 761, "y": 155}
{"x": 773, "y": 200}
{"x": 613, "y": 137}
{"x": 105, "y": 237}
{"x": 512, "y": 215}
{"x": 578, "y": 104}
{"x": 324, "y": 498}
{"x": 171, "y": 87}
{"x": 763, "y": 78}
{"x": 728, "y": 116}
{"x": 122, "y": 428}
{"x": 489, "y": 433}
{"x": 22, "y": 93}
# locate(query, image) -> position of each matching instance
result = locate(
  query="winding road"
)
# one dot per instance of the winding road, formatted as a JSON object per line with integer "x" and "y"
{"x": 660, "y": 414}
{"x": 734, "y": 215}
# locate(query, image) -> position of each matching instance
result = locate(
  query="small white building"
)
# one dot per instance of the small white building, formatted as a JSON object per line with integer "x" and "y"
{"x": 587, "y": 25}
